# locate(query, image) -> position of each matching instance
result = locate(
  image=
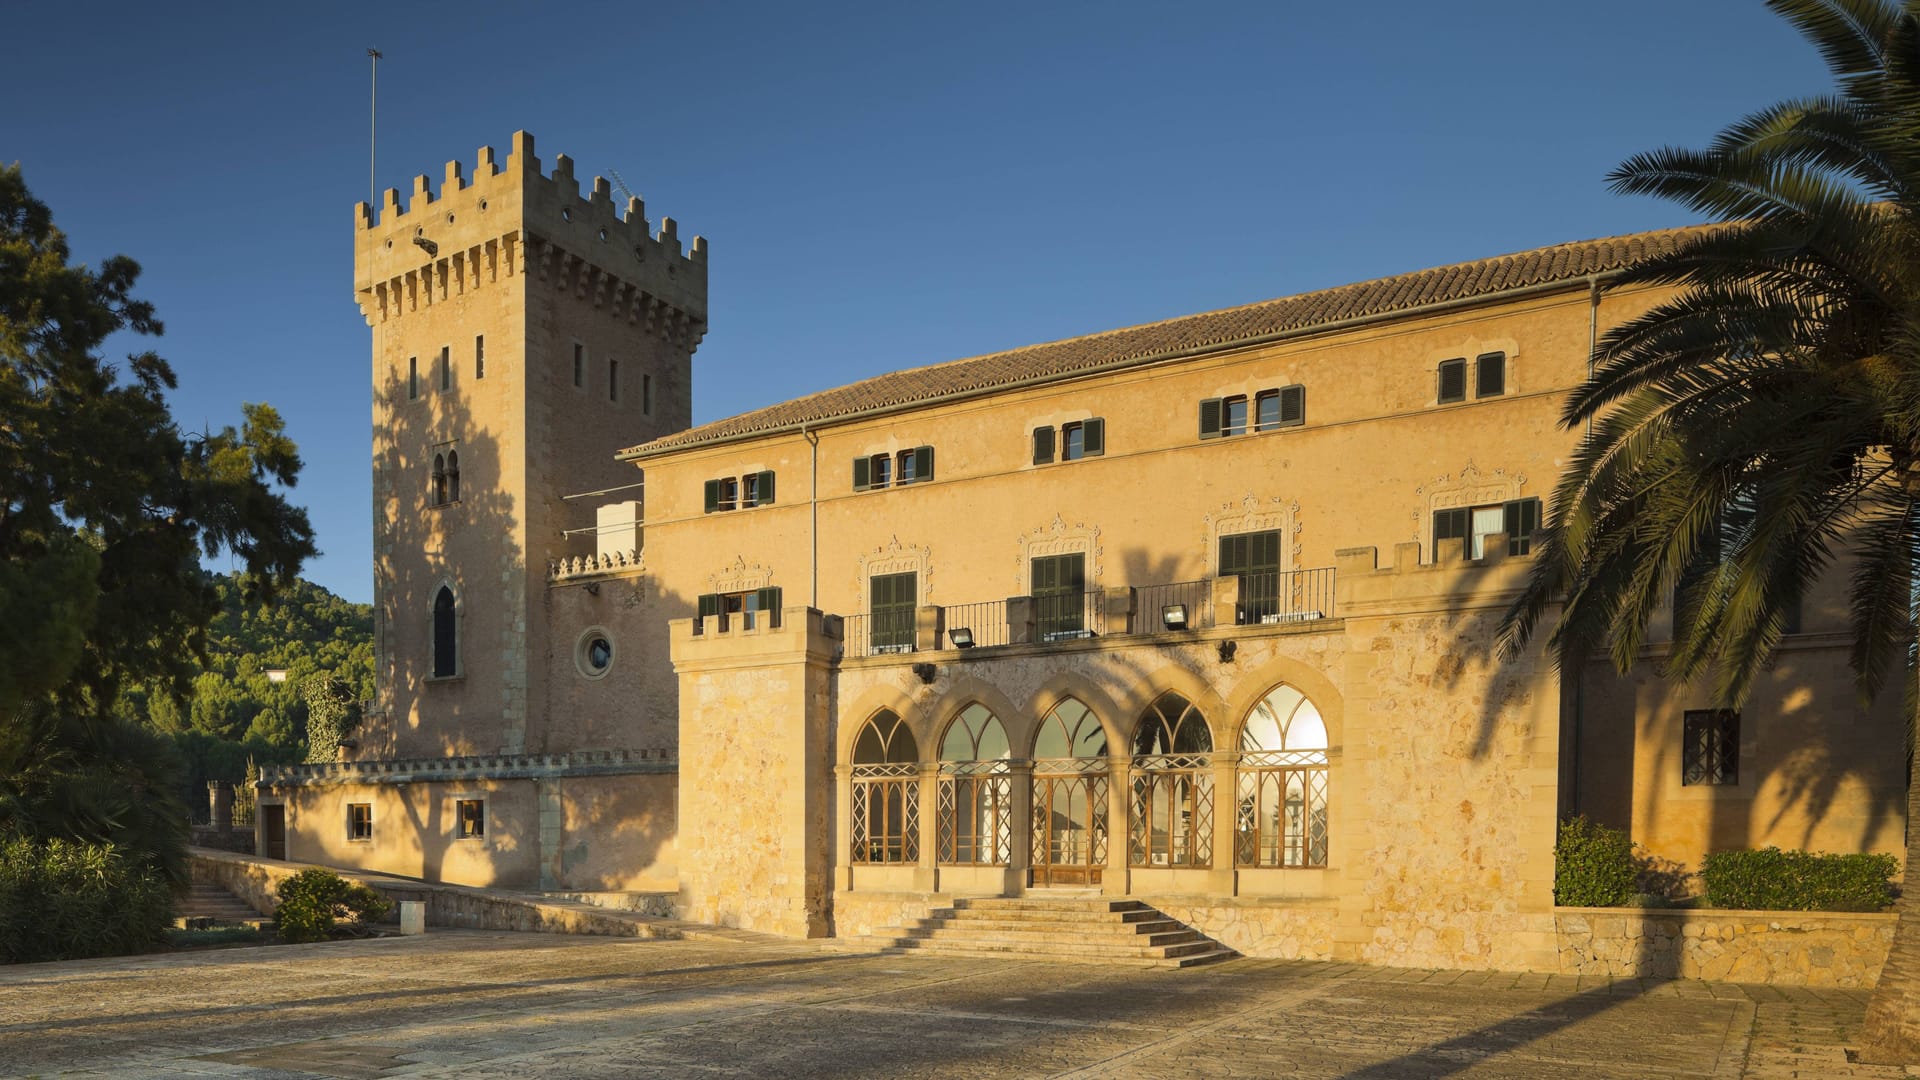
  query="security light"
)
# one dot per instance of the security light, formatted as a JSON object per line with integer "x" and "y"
{"x": 962, "y": 637}
{"x": 1174, "y": 616}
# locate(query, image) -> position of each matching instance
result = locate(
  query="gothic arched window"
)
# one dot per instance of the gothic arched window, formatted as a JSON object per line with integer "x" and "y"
{"x": 976, "y": 791}
{"x": 1281, "y": 784}
{"x": 439, "y": 479}
{"x": 453, "y": 476}
{"x": 1171, "y": 812}
{"x": 446, "y": 635}
{"x": 886, "y": 792}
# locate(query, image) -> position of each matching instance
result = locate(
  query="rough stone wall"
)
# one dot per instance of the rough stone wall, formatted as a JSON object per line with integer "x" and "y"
{"x": 865, "y": 914}
{"x": 755, "y": 788}
{"x": 1795, "y": 948}
{"x": 1273, "y": 929}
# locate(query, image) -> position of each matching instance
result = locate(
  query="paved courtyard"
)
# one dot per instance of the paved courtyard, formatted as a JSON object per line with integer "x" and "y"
{"x": 475, "y": 1004}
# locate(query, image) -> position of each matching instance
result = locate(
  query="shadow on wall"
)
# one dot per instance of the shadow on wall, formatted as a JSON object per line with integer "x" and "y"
{"x": 1801, "y": 755}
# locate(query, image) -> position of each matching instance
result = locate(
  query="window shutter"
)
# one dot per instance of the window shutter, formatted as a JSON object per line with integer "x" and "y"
{"x": 1210, "y": 410}
{"x": 1448, "y": 524}
{"x": 1293, "y": 405}
{"x": 763, "y": 492}
{"x": 713, "y": 496}
{"x": 1093, "y": 436}
{"x": 769, "y": 601}
{"x": 709, "y": 604}
{"x": 1453, "y": 381}
{"x": 923, "y": 463}
{"x": 1042, "y": 445}
{"x": 1522, "y": 521}
{"x": 1490, "y": 375}
{"x": 862, "y": 471}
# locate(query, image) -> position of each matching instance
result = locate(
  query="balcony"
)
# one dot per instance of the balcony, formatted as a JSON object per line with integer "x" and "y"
{"x": 1184, "y": 608}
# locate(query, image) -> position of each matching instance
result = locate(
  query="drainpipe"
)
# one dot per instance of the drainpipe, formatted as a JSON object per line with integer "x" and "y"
{"x": 1580, "y": 673}
{"x": 813, "y": 515}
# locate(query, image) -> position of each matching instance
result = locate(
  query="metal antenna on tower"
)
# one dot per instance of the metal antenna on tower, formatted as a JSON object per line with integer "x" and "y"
{"x": 621, "y": 184}
{"x": 373, "y": 113}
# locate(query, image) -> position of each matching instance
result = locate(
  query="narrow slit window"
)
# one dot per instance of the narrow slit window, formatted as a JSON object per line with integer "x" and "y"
{"x": 446, "y": 367}
{"x": 413, "y": 378}
{"x": 579, "y": 364}
{"x": 480, "y": 356}
{"x": 613, "y": 380}
{"x": 646, "y": 394}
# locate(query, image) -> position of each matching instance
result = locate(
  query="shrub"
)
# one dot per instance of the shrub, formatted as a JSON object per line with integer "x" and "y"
{"x": 312, "y": 900}
{"x": 62, "y": 900}
{"x": 1774, "y": 880}
{"x": 1593, "y": 865}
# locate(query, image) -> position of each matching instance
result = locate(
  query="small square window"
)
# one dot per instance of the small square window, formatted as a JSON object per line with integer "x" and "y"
{"x": 880, "y": 472}
{"x": 1266, "y": 410}
{"x": 1710, "y": 748}
{"x": 1233, "y": 417}
{"x": 360, "y": 821}
{"x": 1452, "y": 382}
{"x": 729, "y": 493}
{"x": 471, "y": 815}
{"x": 1084, "y": 439}
{"x": 1490, "y": 375}
{"x": 906, "y": 471}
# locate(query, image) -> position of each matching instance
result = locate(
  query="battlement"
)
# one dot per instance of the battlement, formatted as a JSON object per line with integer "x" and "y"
{"x": 1452, "y": 581}
{"x": 491, "y": 224}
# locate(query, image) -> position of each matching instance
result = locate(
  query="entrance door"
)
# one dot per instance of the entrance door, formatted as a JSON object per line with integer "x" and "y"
{"x": 275, "y": 825}
{"x": 1069, "y": 827}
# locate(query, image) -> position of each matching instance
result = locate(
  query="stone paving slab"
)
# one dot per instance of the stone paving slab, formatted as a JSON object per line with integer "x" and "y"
{"x": 485, "y": 1004}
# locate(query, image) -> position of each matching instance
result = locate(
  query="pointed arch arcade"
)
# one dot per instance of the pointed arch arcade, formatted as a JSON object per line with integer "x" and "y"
{"x": 1070, "y": 796}
{"x": 975, "y": 791}
{"x": 1280, "y": 787}
{"x": 1170, "y": 814}
{"x": 886, "y": 792}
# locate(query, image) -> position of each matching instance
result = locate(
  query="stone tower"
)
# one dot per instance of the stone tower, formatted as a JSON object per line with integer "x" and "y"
{"x": 521, "y": 335}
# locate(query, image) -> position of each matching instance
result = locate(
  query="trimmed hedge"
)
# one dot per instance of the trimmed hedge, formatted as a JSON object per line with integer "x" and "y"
{"x": 1593, "y": 865}
{"x": 62, "y": 900}
{"x": 1774, "y": 880}
{"x": 313, "y": 899}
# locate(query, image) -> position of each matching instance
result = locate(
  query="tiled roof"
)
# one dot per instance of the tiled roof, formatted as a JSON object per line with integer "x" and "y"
{"x": 1562, "y": 263}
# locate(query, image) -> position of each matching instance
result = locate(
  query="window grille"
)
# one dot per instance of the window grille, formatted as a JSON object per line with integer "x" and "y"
{"x": 1711, "y": 750}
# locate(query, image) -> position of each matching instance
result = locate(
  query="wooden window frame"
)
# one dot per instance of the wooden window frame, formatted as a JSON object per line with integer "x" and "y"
{"x": 360, "y": 823}
{"x": 460, "y": 830}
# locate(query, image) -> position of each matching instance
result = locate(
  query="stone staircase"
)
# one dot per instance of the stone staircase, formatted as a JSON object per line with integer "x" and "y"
{"x": 1087, "y": 928}
{"x": 207, "y": 906}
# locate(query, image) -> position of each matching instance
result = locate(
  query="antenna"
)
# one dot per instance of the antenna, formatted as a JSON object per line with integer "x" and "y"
{"x": 373, "y": 113}
{"x": 621, "y": 184}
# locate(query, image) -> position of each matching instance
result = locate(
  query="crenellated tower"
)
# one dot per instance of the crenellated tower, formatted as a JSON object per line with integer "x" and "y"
{"x": 521, "y": 335}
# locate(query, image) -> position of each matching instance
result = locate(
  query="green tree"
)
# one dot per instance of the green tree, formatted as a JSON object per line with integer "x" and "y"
{"x": 106, "y": 507}
{"x": 1764, "y": 422}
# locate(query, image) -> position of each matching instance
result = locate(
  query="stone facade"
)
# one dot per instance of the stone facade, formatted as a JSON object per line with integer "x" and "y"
{"x": 1035, "y": 534}
{"x": 1796, "y": 948}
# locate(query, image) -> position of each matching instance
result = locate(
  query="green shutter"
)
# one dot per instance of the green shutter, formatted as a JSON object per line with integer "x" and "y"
{"x": 1490, "y": 375}
{"x": 1522, "y": 520}
{"x": 862, "y": 471}
{"x": 709, "y": 604}
{"x": 1448, "y": 524}
{"x": 768, "y": 600}
{"x": 1210, "y": 413}
{"x": 713, "y": 496}
{"x": 1293, "y": 405}
{"x": 1093, "y": 437}
{"x": 1453, "y": 381}
{"x": 764, "y": 496}
{"x": 1042, "y": 445}
{"x": 923, "y": 463}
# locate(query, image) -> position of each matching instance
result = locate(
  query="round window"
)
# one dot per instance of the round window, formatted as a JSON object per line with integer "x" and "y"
{"x": 593, "y": 655}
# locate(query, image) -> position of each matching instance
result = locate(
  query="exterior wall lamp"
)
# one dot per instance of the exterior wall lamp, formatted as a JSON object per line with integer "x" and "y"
{"x": 1174, "y": 616}
{"x": 961, "y": 636}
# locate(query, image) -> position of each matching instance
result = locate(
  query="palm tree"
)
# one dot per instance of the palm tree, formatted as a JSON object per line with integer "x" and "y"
{"x": 1762, "y": 425}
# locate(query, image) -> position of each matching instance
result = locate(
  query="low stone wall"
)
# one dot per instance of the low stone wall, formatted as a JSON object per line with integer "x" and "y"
{"x": 1789, "y": 948}
{"x": 257, "y": 881}
{"x": 862, "y": 914}
{"x": 1275, "y": 929}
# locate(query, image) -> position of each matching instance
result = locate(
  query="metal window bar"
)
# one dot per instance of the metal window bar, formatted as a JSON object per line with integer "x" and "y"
{"x": 244, "y": 798}
{"x": 1280, "y": 810}
{"x": 976, "y": 802}
{"x": 886, "y": 814}
{"x": 1070, "y": 616}
{"x": 986, "y": 621}
{"x": 1275, "y": 596}
{"x": 1194, "y": 598}
{"x": 1170, "y": 814}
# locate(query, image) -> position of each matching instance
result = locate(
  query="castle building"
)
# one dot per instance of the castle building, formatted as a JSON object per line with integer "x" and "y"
{"x": 1200, "y": 611}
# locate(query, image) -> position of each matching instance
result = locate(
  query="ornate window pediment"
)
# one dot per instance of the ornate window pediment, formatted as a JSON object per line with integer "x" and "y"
{"x": 1058, "y": 538}
{"x": 893, "y": 557}
{"x": 1468, "y": 487}
{"x": 740, "y": 577}
{"x": 1252, "y": 513}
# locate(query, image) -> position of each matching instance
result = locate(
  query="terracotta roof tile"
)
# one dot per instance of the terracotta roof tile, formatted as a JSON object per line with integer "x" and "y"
{"x": 1141, "y": 344}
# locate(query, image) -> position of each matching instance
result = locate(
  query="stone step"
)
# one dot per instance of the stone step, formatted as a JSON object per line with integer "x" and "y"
{"x": 1176, "y": 935}
{"x": 1102, "y": 930}
{"x": 1062, "y": 921}
{"x": 1029, "y": 903}
{"x": 1057, "y": 947}
{"x": 1214, "y": 955}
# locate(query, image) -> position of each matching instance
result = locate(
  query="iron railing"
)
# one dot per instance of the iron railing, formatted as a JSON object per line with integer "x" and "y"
{"x": 1068, "y": 616}
{"x": 985, "y": 623}
{"x": 1183, "y": 605}
{"x": 1274, "y": 596}
{"x": 876, "y": 635}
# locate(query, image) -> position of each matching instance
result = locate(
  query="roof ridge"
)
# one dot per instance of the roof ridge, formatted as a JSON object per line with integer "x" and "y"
{"x": 1405, "y": 291}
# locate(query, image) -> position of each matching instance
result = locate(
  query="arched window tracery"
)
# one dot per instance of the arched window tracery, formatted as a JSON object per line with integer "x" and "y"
{"x": 886, "y": 792}
{"x": 1282, "y": 782}
{"x": 453, "y": 476}
{"x": 1070, "y": 796}
{"x": 439, "y": 479}
{"x": 975, "y": 791}
{"x": 1170, "y": 823}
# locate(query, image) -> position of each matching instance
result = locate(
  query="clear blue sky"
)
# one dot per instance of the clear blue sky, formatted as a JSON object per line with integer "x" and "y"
{"x": 883, "y": 186}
